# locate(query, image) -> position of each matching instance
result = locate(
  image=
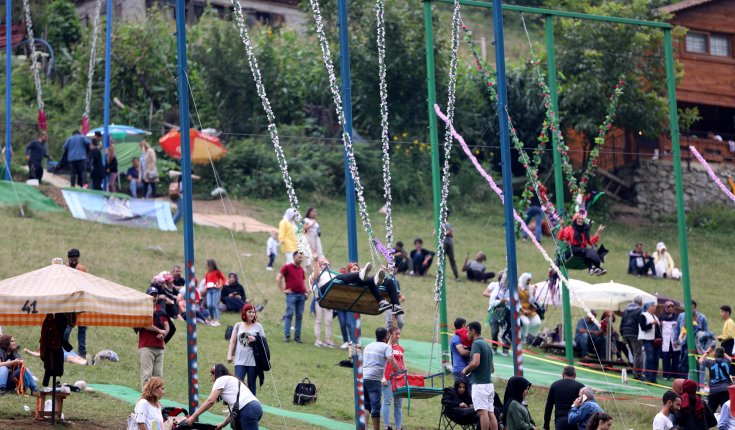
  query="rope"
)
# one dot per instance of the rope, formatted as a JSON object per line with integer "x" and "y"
{"x": 346, "y": 138}
{"x": 34, "y": 55}
{"x": 90, "y": 69}
{"x": 711, "y": 173}
{"x": 303, "y": 244}
{"x": 384, "y": 135}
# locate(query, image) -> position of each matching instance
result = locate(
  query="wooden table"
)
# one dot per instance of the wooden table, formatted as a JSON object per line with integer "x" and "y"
{"x": 41, "y": 396}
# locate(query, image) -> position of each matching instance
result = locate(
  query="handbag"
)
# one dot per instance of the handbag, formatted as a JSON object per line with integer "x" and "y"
{"x": 235, "y": 410}
{"x": 305, "y": 393}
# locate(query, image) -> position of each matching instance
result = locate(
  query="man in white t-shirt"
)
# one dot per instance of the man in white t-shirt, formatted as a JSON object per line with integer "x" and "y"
{"x": 375, "y": 357}
{"x": 671, "y": 404}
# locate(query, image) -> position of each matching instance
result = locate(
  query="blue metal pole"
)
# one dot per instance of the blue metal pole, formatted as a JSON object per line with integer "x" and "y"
{"x": 8, "y": 85}
{"x": 510, "y": 239}
{"x": 344, "y": 63}
{"x": 108, "y": 57}
{"x": 191, "y": 328}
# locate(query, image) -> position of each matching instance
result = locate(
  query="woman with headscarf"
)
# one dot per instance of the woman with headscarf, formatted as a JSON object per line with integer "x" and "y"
{"x": 530, "y": 319}
{"x": 670, "y": 347}
{"x": 649, "y": 333}
{"x": 582, "y": 245}
{"x": 457, "y": 402}
{"x": 287, "y": 234}
{"x": 694, "y": 414}
{"x": 233, "y": 294}
{"x": 664, "y": 264}
{"x": 515, "y": 413}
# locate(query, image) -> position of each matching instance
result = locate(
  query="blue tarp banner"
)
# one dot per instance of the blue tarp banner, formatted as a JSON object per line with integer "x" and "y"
{"x": 118, "y": 210}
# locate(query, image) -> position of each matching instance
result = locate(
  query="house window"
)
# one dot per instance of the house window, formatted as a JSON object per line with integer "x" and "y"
{"x": 696, "y": 42}
{"x": 719, "y": 45}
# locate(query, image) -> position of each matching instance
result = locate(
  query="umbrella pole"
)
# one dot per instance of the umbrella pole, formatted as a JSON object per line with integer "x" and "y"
{"x": 53, "y": 400}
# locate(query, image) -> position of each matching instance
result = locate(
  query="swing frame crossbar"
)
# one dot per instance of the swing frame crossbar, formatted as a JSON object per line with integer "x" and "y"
{"x": 549, "y": 15}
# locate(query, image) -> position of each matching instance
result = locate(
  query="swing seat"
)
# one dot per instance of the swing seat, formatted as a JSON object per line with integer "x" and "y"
{"x": 340, "y": 296}
{"x": 414, "y": 386}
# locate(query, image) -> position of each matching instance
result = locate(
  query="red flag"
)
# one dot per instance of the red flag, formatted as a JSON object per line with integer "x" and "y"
{"x": 85, "y": 125}
{"x": 42, "y": 122}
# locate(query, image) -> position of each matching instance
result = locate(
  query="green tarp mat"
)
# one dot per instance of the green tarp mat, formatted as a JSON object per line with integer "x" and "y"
{"x": 132, "y": 396}
{"x": 31, "y": 196}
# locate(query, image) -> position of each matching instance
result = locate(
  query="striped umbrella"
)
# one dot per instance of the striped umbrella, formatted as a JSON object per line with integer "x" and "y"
{"x": 26, "y": 299}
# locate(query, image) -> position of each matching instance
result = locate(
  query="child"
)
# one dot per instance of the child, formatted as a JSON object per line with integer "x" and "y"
{"x": 271, "y": 250}
{"x": 214, "y": 279}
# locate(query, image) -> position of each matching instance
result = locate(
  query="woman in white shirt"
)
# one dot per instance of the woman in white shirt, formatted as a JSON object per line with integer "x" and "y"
{"x": 148, "y": 409}
{"x": 242, "y": 334}
{"x": 228, "y": 387}
{"x": 649, "y": 333}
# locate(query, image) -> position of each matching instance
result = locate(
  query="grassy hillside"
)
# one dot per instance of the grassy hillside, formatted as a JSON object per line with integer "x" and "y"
{"x": 131, "y": 257}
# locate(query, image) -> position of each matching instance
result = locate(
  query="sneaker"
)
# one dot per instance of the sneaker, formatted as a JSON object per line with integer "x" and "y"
{"x": 269, "y": 268}
{"x": 504, "y": 353}
{"x": 215, "y": 323}
{"x": 379, "y": 277}
{"x": 89, "y": 359}
{"x": 600, "y": 271}
{"x": 329, "y": 344}
{"x": 365, "y": 270}
{"x": 345, "y": 345}
{"x": 383, "y": 306}
{"x": 95, "y": 359}
{"x": 411, "y": 273}
{"x": 298, "y": 340}
{"x": 592, "y": 271}
{"x": 318, "y": 344}
{"x": 287, "y": 339}
{"x": 397, "y": 310}
{"x": 490, "y": 275}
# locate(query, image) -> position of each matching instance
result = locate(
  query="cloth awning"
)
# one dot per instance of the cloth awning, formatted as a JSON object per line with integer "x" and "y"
{"x": 26, "y": 299}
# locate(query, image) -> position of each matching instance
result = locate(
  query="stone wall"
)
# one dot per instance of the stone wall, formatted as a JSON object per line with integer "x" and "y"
{"x": 655, "y": 195}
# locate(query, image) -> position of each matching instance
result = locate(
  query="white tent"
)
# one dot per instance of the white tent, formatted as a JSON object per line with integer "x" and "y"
{"x": 608, "y": 296}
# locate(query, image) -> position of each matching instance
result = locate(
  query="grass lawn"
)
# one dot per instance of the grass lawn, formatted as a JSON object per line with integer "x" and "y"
{"x": 131, "y": 257}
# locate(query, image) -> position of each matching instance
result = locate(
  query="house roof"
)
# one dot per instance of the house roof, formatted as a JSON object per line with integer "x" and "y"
{"x": 685, "y": 4}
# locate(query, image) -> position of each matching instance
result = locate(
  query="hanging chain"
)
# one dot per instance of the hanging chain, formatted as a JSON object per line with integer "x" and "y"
{"x": 384, "y": 135}
{"x": 346, "y": 138}
{"x": 302, "y": 243}
{"x": 92, "y": 59}
{"x": 34, "y": 55}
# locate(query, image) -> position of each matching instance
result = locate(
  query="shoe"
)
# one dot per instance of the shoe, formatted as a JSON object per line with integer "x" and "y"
{"x": 96, "y": 359}
{"x": 491, "y": 275}
{"x": 366, "y": 270}
{"x": 383, "y": 306}
{"x": 397, "y": 310}
{"x": 318, "y": 344}
{"x": 504, "y": 353}
{"x": 298, "y": 340}
{"x": 457, "y": 279}
{"x": 215, "y": 323}
{"x": 592, "y": 271}
{"x": 287, "y": 339}
{"x": 345, "y": 345}
{"x": 411, "y": 273}
{"x": 329, "y": 344}
{"x": 269, "y": 268}
{"x": 379, "y": 277}
{"x": 600, "y": 271}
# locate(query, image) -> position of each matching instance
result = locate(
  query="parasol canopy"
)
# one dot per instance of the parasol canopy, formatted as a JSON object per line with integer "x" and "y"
{"x": 203, "y": 146}
{"x": 544, "y": 296}
{"x": 608, "y": 295}
{"x": 26, "y": 299}
{"x": 121, "y": 133}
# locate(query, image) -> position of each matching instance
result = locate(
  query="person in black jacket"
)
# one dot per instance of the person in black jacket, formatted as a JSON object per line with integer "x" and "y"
{"x": 233, "y": 294}
{"x": 562, "y": 394}
{"x": 35, "y": 153}
{"x": 457, "y": 402}
{"x": 629, "y": 331}
{"x": 97, "y": 172}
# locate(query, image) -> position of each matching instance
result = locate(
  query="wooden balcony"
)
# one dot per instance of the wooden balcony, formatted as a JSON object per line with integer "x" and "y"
{"x": 18, "y": 33}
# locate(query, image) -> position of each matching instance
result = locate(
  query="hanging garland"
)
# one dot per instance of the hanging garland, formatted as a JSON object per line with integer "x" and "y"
{"x": 302, "y": 243}
{"x": 530, "y": 166}
{"x": 346, "y": 138}
{"x": 90, "y": 69}
{"x": 35, "y": 66}
{"x": 384, "y": 137}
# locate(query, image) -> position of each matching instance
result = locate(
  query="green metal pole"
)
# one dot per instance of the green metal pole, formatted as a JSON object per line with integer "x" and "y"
{"x": 558, "y": 183}
{"x": 680, "y": 214}
{"x": 435, "y": 177}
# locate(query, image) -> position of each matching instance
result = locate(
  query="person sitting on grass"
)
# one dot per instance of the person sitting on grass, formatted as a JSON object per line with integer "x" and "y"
{"x": 421, "y": 258}
{"x": 640, "y": 262}
{"x": 11, "y": 365}
{"x": 69, "y": 356}
{"x": 233, "y": 294}
{"x": 360, "y": 277}
{"x": 581, "y": 244}
{"x": 401, "y": 258}
{"x": 664, "y": 264}
{"x": 475, "y": 269}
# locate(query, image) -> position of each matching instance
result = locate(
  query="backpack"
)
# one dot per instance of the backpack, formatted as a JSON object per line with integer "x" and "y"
{"x": 304, "y": 393}
{"x": 228, "y": 332}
